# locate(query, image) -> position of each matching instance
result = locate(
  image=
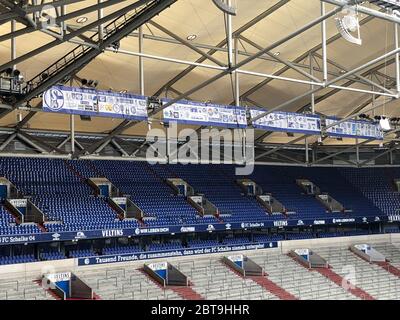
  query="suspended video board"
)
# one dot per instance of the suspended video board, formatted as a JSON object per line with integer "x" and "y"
{"x": 287, "y": 122}
{"x": 197, "y": 113}
{"x": 354, "y": 129}
{"x": 92, "y": 102}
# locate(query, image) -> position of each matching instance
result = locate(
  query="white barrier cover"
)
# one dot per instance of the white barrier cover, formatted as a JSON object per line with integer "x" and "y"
{"x": 58, "y": 277}
{"x": 158, "y": 266}
{"x": 19, "y": 202}
{"x": 373, "y": 254}
{"x": 236, "y": 258}
{"x": 305, "y": 253}
{"x": 119, "y": 200}
{"x": 265, "y": 198}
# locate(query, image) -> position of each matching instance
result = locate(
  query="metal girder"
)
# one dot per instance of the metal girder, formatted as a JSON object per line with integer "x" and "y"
{"x": 89, "y": 9}
{"x": 187, "y": 43}
{"x": 249, "y": 59}
{"x": 73, "y": 34}
{"x": 240, "y": 30}
{"x": 119, "y": 148}
{"x": 287, "y": 63}
{"x": 284, "y": 156}
{"x": 39, "y": 143}
{"x": 340, "y": 152}
{"x": 31, "y": 27}
{"x": 137, "y": 150}
{"x": 62, "y": 143}
{"x": 204, "y": 46}
{"x": 299, "y": 59}
{"x": 379, "y": 155}
{"x": 348, "y": 83}
{"x": 37, "y": 7}
{"x": 7, "y": 141}
{"x": 360, "y": 76}
{"x": 25, "y": 120}
{"x": 277, "y": 148}
{"x": 100, "y": 145}
{"x": 28, "y": 141}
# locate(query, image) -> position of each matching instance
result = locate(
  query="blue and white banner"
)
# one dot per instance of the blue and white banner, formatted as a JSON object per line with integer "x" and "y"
{"x": 169, "y": 254}
{"x": 92, "y": 102}
{"x": 354, "y": 129}
{"x": 197, "y": 113}
{"x": 287, "y": 122}
{"x": 113, "y": 233}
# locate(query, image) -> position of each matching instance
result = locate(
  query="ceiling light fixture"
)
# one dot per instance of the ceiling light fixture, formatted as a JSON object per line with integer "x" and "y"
{"x": 191, "y": 37}
{"x": 81, "y": 20}
{"x": 277, "y": 53}
{"x": 347, "y": 24}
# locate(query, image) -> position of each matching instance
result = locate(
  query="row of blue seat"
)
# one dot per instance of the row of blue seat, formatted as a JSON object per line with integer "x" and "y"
{"x": 58, "y": 188}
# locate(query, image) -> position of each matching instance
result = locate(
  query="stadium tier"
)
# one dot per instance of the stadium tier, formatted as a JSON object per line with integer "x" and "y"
{"x": 60, "y": 190}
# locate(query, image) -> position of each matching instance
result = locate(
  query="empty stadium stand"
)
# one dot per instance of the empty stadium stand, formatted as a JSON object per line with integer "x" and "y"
{"x": 210, "y": 279}
{"x": 369, "y": 277}
{"x": 59, "y": 188}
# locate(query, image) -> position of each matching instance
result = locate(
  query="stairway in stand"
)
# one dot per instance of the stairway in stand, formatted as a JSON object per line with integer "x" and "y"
{"x": 389, "y": 268}
{"x": 273, "y": 288}
{"x": 186, "y": 293}
{"x": 339, "y": 280}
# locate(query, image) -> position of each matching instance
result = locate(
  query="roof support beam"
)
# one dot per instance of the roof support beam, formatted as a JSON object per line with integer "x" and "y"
{"x": 331, "y": 82}
{"x": 71, "y": 35}
{"x": 187, "y": 43}
{"x": 87, "y": 10}
{"x": 28, "y": 141}
{"x": 287, "y": 63}
{"x": 379, "y": 155}
{"x": 119, "y": 148}
{"x": 340, "y": 152}
{"x": 368, "y": 81}
{"x": 249, "y": 59}
{"x": 235, "y": 34}
{"x": 7, "y": 141}
{"x": 282, "y": 146}
{"x": 299, "y": 59}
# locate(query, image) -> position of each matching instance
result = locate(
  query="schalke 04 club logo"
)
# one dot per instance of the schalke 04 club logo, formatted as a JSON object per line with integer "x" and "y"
{"x": 54, "y": 99}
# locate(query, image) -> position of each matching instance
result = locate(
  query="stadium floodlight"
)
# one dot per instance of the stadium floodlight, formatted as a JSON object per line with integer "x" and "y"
{"x": 347, "y": 23}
